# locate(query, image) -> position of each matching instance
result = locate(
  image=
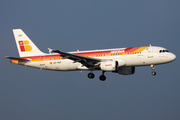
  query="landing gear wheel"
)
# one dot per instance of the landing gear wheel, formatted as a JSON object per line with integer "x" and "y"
{"x": 102, "y": 77}
{"x": 153, "y": 73}
{"x": 91, "y": 75}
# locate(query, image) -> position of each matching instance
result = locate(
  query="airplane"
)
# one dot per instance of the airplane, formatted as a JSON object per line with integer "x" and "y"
{"x": 119, "y": 60}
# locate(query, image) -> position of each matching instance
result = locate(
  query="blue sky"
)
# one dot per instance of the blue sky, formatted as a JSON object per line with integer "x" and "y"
{"x": 68, "y": 25}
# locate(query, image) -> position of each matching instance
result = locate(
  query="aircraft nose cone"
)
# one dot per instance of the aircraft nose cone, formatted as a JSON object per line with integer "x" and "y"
{"x": 173, "y": 57}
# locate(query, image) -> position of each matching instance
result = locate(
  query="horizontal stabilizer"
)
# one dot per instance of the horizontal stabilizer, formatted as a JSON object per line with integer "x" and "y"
{"x": 20, "y": 59}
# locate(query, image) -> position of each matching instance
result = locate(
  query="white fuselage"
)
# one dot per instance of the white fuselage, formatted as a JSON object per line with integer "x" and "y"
{"x": 149, "y": 56}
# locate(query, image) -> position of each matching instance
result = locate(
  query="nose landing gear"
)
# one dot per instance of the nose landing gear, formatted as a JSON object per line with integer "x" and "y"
{"x": 153, "y": 72}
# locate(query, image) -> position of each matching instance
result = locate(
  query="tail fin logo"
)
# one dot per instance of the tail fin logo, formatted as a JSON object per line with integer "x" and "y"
{"x": 24, "y": 46}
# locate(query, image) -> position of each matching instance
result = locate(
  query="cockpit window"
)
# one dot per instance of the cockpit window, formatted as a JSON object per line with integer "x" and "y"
{"x": 162, "y": 51}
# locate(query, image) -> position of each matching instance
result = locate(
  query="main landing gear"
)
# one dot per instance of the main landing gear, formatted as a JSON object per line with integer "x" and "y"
{"x": 153, "y": 72}
{"x": 91, "y": 75}
{"x": 102, "y": 77}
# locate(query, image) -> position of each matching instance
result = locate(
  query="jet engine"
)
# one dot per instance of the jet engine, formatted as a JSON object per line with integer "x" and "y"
{"x": 109, "y": 66}
{"x": 126, "y": 70}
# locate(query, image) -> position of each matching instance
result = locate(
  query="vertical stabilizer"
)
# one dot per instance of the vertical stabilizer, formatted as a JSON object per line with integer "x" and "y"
{"x": 25, "y": 46}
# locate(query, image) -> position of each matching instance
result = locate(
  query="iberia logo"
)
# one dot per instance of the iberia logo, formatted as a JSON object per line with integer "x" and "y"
{"x": 24, "y": 46}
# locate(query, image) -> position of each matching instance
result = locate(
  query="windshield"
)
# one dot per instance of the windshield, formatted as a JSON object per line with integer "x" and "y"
{"x": 162, "y": 51}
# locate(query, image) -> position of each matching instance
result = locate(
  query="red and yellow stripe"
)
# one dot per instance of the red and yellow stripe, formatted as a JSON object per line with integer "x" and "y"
{"x": 125, "y": 51}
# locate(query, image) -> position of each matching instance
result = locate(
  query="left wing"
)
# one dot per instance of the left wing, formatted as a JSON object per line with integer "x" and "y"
{"x": 85, "y": 61}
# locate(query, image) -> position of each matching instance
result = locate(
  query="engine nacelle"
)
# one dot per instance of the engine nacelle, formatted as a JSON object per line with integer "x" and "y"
{"x": 109, "y": 66}
{"x": 126, "y": 70}
{"x": 121, "y": 62}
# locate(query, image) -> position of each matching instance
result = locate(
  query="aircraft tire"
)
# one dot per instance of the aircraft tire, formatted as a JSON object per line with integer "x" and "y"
{"x": 102, "y": 77}
{"x": 91, "y": 75}
{"x": 153, "y": 73}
